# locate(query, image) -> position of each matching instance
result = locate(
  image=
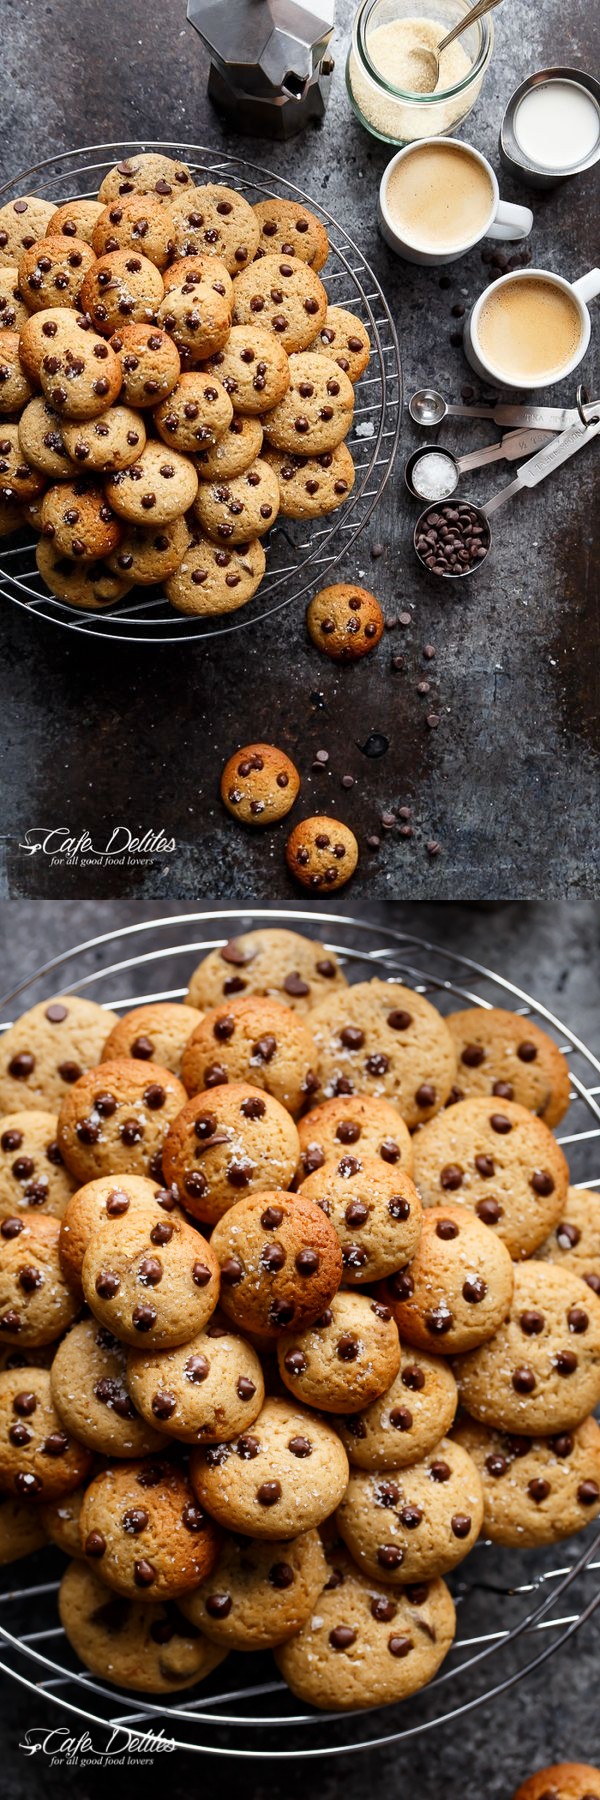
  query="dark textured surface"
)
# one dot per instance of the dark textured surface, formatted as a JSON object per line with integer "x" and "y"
{"x": 103, "y": 736}
{"x": 553, "y": 952}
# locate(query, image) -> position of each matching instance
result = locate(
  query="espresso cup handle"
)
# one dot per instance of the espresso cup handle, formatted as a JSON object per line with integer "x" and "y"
{"x": 510, "y": 223}
{"x": 588, "y": 286}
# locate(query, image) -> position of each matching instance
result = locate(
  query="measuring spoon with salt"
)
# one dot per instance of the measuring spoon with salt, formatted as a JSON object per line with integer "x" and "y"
{"x": 513, "y": 445}
{"x": 427, "y": 407}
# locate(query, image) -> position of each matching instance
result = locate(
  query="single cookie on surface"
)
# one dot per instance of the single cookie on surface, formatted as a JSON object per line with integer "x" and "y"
{"x": 280, "y": 1263}
{"x": 368, "y": 1644}
{"x": 196, "y": 413}
{"x": 160, "y": 486}
{"x": 124, "y": 286}
{"x": 91, "y": 586}
{"x": 52, "y": 272}
{"x": 253, "y": 367}
{"x": 563, "y": 1781}
{"x": 135, "y": 222}
{"x": 22, "y": 1529}
{"x": 146, "y": 556}
{"x": 113, "y": 441}
{"x": 136, "y": 1644}
{"x": 115, "y": 1119}
{"x": 15, "y": 387}
{"x": 22, "y": 222}
{"x": 317, "y": 410}
{"x": 289, "y": 229}
{"x": 214, "y": 220}
{"x": 345, "y": 622}
{"x": 154, "y": 1033}
{"x": 211, "y": 579}
{"x": 143, "y": 1530}
{"x": 298, "y": 970}
{"x": 149, "y": 362}
{"x": 110, "y": 1197}
{"x": 252, "y": 1039}
{"x": 285, "y": 295}
{"x": 80, "y": 523}
{"x": 204, "y": 1392}
{"x": 232, "y": 512}
{"x": 88, "y": 1383}
{"x": 259, "y": 784}
{"x": 38, "y": 1458}
{"x": 18, "y": 481}
{"x": 233, "y": 452}
{"x": 416, "y": 1522}
{"x": 321, "y": 852}
{"x": 312, "y": 486}
{"x": 282, "y": 1477}
{"x": 75, "y": 219}
{"x": 149, "y": 172}
{"x": 504, "y": 1054}
{"x": 346, "y": 340}
{"x": 541, "y": 1372}
{"x": 495, "y": 1157}
{"x": 536, "y": 1490}
{"x": 151, "y": 1279}
{"x": 383, "y": 1039}
{"x": 375, "y": 1211}
{"x": 575, "y": 1242}
{"x": 230, "y": 1140}
{"x": 41, "y": 439}
{"x": 343, "y": 1360}
{"x": 352, "y": 1120}
{"x": 402, "y": 1425}
{"x": 198, "y": 319}
{"x": 60, "y": 1519}
{"x": 458, "y": 1288}
{"x": 32, "y": 1172}
{"x": 259, "y": 1596}
{"x": 35, "y": 1303}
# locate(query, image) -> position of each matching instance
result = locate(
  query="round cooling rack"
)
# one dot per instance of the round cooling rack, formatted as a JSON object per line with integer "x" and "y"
{"x": 514, "y": 1610}
{"x": 300, "y": 556}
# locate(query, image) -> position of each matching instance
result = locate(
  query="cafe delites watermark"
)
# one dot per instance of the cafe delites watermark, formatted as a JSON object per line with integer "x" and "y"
{"x": 122, "y": 847}
{"x": 60, "y": 1747}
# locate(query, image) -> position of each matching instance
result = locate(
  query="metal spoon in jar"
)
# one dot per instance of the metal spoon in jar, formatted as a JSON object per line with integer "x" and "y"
{"x": 425, "y": 63}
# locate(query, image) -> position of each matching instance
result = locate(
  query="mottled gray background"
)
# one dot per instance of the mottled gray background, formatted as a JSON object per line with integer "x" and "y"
{"x": 99, "y": 736}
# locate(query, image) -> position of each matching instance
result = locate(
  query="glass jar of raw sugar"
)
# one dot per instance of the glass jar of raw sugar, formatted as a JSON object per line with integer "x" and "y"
{"x": 379, "y": 65}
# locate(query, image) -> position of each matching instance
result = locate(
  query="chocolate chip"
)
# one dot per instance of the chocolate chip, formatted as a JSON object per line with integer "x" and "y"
{"x": 269, "y": 1493}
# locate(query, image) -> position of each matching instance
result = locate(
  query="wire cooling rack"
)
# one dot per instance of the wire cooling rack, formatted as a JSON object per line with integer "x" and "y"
{"x": 514, "y": 1610}
{"x": 299, "y": 556}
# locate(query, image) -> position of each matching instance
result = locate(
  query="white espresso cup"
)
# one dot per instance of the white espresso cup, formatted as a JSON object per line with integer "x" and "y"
{"x": 579, "y": 292}
{"x": 504, "y": 221}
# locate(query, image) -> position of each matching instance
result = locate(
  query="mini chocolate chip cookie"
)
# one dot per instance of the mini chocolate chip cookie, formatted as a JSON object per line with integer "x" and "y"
{"x": 18, "y": 481}
{"x": 35, "y": 1303}
{"x": 233, "y": 452}
{"x": 22, "y": 1530}
{"x": 231, "y": 1140}
{"x": 458, "y": 1288}
{"x": 375, "y": 1210}
{"x": 204, "y": 1392}
{"x": 211, "y": 579}
{"x": 146, "y": 557}
{"x": 13, "y": 311}
{"x": 188, "y": 271}
{"x": 259, "y": 784}
{"x": 142, "y": 1528}
{"x": 497, "y": 1158}
{"x": 402, "y": 1425}
{"x": 259, "y": 1596}
{"x": 312, "y": 486}
{"x": 38, "y": 1458}
{"x": 252, "y": 1039}
{"x": 343, "y": 1124}
{"x": 541, "y": 1372}
{"x": 15, "y": 387}
{"x": 214, "y": 220}
{"x": 124, "y": 286}
{"x": 197, "y": 318}
{"x": 52, "y": 271}
{"x": 196, "y": 413}
{"x": 113, "y": 441}
{"x": 345, "y": 1359}
{"x": 575, "y": 1242}
{"x": 345, "y": 339}
{"x": 283, "y": 1476}
{"x": 135, "y": 222}
{"x": 60, "y": 1519}
{"x": 75, "y": 219}
{"x": 149, "y": 361}
{"x": 80, "y": 523}
{"x": 254, "y": 369}
{"x": 32, "y": 1172}
{"x": 22, "y": 222}
{"x": 155, "y": 1033}
{"x": 366, "y": 1643}
{"x": 345, "y": 622}
{"x": 316, "y": 411}
{"x": 115, "y": 1119}
{"x": 289, "y": 229}
{"x": 383, "y": 1039}
{"x": 563, "y": 1781}
{"x": 89, "y": 1387}
{"x": 536, "y": 1490}
{"x": 285, "y": 294}
{"x": 280, "y": 1263}
{"x": 417, "y": 1522}
{"x": 321, "y": 852}
{"x": 155, "y": 1279}
{"x": 508, "y": 1056}
{"x": 78, "y": 372}
{"x": 41, "y": 438}
{"x": 157, "y": 488}
{"x": 245, "y": 507}
{"x": 91, "y": 586}
{"x": 100, "y": 1201}
{"x": 151, "y": 1648}
{"x": 150, "y": 172}
{"x": 299, "y": 971}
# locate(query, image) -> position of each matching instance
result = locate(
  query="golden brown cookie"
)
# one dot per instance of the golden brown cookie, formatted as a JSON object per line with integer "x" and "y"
{"x": 147, "y": 555}
{"x": 287, "y": 228}
{"x": 75, "y": 219}
{"x": 22, "y": 222}
{"x": 317, "y": 410}
{"x": 89, "y": 1387}
{"x": 154, "y": 1033}
{"x": 383, "y": 1039}
{"x": 203, "y": 1392}
{"x": 78, "y": 372}
{"x": 92, "y": 586}
{"x": 285, "y": 294}
{"x": 41, "y": 439}
{"x": 344, "y": 1359}
{"x": 575, "y": 1242}
{"x": 458, "y": 1288}
{"x": 346, "y": 340}
{"x": 18, "y": 481}
{"x": 252, "y": 1039}
{"x": 52, "y": 271}
{"x": 234, "y": 1139}
{"x": 356, "y": 1122}
{"x": 110, "y": 1197}
{"x": 233, "y": 452}
{"x": 149, "y": 362}
{"x": 259, "y": 784}
{"x": 563, "y": 1781}
{"x": 159, "y": 487}
{"x": 80, "y": 523}
{"x": 375, "y": 1210}
{"x": 280, "y": 1263}
{"x": 115, "y": 1119}
{"x": 135, "y": 222}
{"x": 541, "y": 1372}
{"x": 38, "y": 1458}
{"x": 258, "y": 1595}
{"x": 144, "y": 1532}
{"x": 312, "y": 486}
{"x": 214, "y": 220}
{"x": 536, "y": 1490}
{"x": 368, "y": 1644}
{"x": 188, "y": 271}
{"x": 402, "y": 1425}
{"x": 151, "y": 1648}
{"x": 495, "y": 1157}
{"x": 15, "y": 387}
{"x": 148, "y": 172}
{"x": 32, "y": 1172}
{"x": 150, "y": 1278}
{"x": 124, "y": 286}
{"x": 35, "y": 1303}
{"x": 13, "y": 312}
{"x": 199, "y": 320}
{"x": 235, "y": 511}
{"x": 298, "y": 970}
{"x": 503, "y": 1054}
{"x": 283, "y": 1476}
{"x": 196, "y": 413}
{"x": 413, "y": 1523}
{"x": 60, "y": 1519}
{"x": 321, "y": 852}
{"x": 211, "y": 579}
{"x": 253, "y": 367}
{"x": 345, "y": 622}
{"x": 113, "y": 441}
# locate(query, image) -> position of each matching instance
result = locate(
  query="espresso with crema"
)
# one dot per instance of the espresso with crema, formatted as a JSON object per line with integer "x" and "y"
{"x": 529, "y": 330}
{"x": 440, "y": 197}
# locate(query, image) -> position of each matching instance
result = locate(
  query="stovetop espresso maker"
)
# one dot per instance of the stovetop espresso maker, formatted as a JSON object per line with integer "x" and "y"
{"x": 270, "y": 66}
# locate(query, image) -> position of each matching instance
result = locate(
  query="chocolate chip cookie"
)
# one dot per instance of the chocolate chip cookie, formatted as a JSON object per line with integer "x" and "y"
{"x": 32, "y": 1172}
{"x": 146, "y": 556}
{"x": 417, "y": 1522}
{"x": 536, "y": 1490}
{"x": 110, "y": 1197}
{"x": 52, "y": 271}
{"x": 345, "y": 339}
{"x": 495, "y": 1157}
{"x": 13, "y": 312}
{"x": 204, "y": 1392}
{"x": 343, "y": 1360}
{"x": 159, "y": 487}
{"x": 259, "y": 1596}
{"x": 22, "y": 222}
{"x": 135, "y": 222}
{"x": 211, "y": 579}
{"x": 151, "y": 1648}
{"x": 563, "y": 1781}
{"x": 89, "y": 1387}
{"x": 38, "y": 1458}
{"x": 18, "y": 481}
{"x": 196, "y": 413}
{"x": 15, "y": 387}
{"x": 233, "y": 1139}
{"x": 214, "y": 220}
{"x": 280, "y": 1263}
{"x": 458, "y": 1288}
{"x": 298, "y": 970}
{"x": 143, "y": 1530}
{"x": 154, "y": 1033}
{"x": 188, "y": 271}
{"x": 252, "y": 1039}
{"x": 375, "y": 1210}
{"x": 78, "y": 520}
{"x": 149, "y": 172}
{"x": 402, "y": 1425}
{"x": 283, "y": 1476}
{"x": 197, "y": 318}
{"x": 259, "y": 784}
{"x": 285, "y": 294}
{"x": 150, "y": 1278}
{"x": 541, "y": 1372}
{"x": 254, "y": 369}
{"x": 233, "y": 452}
{"x": 508, "y": 1056}
{"x": 115, "y": 1119}
{"x": 121, "y": 287}
{"x": 383, "y": 1039}
{"x": 91, "y": 586}
{"x": 321, "y": 852}
{"x": 345, "y": 622}
{"x": 149, "y": 361}
{"x": 41, "y": 438}
{"x": 245, "y": 507}
{"x": 79, "y": 373}
{"x": 75, "y": 219}
{"x": 113, "y": 441}
{"x": 35, "y": 1303}
{"x": 353, "y": 1120}
{"x": 289, "y": 229}
{"x": 575, "y": 1242}
{"x": 316, "y": 411}
{"x": 312, "y": 486}
{"x": 367, "y": 1643}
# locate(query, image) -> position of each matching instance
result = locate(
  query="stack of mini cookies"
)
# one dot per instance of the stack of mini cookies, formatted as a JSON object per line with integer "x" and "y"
{"x": 172, "y": 377}
{"x": 255, "y": 1249}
